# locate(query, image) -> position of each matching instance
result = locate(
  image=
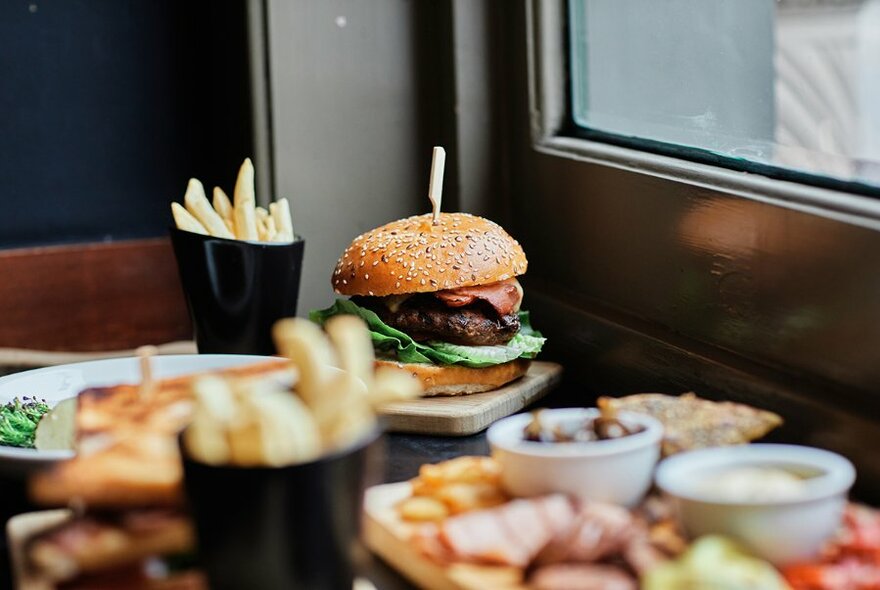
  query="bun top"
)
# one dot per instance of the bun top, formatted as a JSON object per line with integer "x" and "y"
{"x": 414, "y": 256}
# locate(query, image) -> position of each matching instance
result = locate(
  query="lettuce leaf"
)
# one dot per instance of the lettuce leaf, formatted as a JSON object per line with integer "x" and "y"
{"x": 526, "y": 344}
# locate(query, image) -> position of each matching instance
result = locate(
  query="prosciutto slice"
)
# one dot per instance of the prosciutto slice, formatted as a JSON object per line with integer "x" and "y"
{"x": 504, "y": 296}
{"x": 511, "y": 534}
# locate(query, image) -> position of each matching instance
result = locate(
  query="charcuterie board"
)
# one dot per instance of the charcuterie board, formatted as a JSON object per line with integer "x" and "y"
{"x": 389, "y": 537}
{"x": 468, "y": 414}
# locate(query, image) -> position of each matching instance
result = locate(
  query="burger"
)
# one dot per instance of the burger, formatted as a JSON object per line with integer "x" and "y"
{"x": 441, "y": 299}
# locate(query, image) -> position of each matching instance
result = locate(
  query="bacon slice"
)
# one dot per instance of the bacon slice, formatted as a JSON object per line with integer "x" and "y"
{"x": 504, "y": 296}
{"x": 511, "y": 534}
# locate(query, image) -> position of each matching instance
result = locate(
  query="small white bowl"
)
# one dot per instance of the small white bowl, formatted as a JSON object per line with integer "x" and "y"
{"x": 780, "y": 531}
{"x": 618, "y": 471}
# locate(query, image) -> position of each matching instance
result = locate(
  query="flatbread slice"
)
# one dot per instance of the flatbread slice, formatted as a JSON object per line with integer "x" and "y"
{"x": 691, "y": 422}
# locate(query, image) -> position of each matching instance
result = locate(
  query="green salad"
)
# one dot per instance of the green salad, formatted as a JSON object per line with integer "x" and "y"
{"x": 392, "y": 342}
{"x": 18, "y": 421}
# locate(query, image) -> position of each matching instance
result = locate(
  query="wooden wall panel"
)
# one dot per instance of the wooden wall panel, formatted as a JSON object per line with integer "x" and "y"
{"x": 89, "y": 297}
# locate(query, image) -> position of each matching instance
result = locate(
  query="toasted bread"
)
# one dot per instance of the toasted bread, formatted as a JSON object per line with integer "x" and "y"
{"x": 127, "y": 453}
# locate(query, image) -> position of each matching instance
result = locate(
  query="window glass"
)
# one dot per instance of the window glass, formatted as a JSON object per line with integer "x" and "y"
{"x": 789, "y": 84}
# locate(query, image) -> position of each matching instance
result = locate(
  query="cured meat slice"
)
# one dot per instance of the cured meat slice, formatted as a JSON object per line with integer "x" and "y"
{"x": 599, "y": 531}
{"x": 504, "y": 296}
{"x": 487, "y": 536}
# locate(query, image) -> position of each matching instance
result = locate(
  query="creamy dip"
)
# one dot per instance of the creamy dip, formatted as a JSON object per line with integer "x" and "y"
{"x": 752, "y": 484}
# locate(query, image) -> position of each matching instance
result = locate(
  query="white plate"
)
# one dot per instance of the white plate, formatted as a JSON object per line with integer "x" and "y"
{"x": 58, "y": 383}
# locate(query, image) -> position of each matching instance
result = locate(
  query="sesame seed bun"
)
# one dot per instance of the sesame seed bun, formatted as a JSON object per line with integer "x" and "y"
{"x": 455, "y": 380}
{"x": 414, "y": 256}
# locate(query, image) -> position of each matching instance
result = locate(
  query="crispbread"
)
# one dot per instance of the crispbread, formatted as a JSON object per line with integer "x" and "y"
{"x": 691, "y": 422}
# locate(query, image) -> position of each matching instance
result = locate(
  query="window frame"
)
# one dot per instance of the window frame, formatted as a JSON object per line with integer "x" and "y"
{"x": 554, "y": 132}
{"x": 610, "y": 265}
{"x": 761, "y": 250}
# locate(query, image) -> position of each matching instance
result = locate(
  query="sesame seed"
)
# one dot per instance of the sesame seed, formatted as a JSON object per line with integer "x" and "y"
{"x": 366, "y": 277}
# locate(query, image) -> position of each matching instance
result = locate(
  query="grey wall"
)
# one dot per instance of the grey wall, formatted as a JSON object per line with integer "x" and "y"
{"x": 360, "y": 92}
{"x": 345, "y": 124}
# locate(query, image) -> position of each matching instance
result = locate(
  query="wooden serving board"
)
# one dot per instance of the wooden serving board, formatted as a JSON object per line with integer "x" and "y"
{"x": 467, "y": 414}
{"x": 24, "y": 526}
{"x": 388, "y": 537}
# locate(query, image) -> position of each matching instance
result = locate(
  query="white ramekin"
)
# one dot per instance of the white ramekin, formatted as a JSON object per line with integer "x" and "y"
{"x": 781, "y": 531}
{"x": 618, "y": 471}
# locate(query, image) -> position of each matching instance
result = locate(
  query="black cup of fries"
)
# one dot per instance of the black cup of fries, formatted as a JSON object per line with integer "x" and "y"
{"x": 276, "y": 476}
{"x": 268, "y": 528}
{"x": 236, "y": 290}
{"x": 239, "y": 264}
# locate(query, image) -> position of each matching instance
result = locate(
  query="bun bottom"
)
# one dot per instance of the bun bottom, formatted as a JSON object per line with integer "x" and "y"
{"x": 455, "y": 380}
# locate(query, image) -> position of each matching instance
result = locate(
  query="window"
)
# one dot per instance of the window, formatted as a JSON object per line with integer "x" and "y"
{"x": 645, "y": 239}
{"x": 788, "y": 88}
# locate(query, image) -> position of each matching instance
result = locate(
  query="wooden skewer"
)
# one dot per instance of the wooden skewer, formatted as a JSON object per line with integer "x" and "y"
{"x": 435, "y": 188}
{"x": 148, "y": 383}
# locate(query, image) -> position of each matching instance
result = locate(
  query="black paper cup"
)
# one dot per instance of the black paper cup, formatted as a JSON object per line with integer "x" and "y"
{"x": 236, "y": 290}
{"x": 277, "y": 528}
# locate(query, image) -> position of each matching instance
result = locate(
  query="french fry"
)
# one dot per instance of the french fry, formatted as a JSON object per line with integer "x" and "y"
{"x": 305, "y": 344}
{"x": 206, "y": 441}
{"x": 222, "y": 204}
{"x": 390, "y": 385}
{"x": 205, "y": 438}
{"x": 245, "y": 202}
{"x": 341, "y": 410}
{"x": 271, "y": 232}
{"x": 280, "y": 211}
{"x": 262, "y": 226}
{"x": 422, "y": 509}
{"x": 260, "y": 422}
{"x": 262, "y": 231}
{"x": 464, "y": 497}
{"x": 349, "y": 427}
{"x": 186, "y": 222}
{"x": 354, "y": 348}
{"x": 197, "y": 203}
{"x": 215, "y": 399}
{"x": 278, "y": 429}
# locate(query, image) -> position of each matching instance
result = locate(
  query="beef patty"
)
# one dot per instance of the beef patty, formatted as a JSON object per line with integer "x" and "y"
{"x": 426, "y": 318}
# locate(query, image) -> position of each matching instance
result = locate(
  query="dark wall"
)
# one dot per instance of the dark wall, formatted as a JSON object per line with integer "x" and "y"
{"x": 108, "y": 107}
